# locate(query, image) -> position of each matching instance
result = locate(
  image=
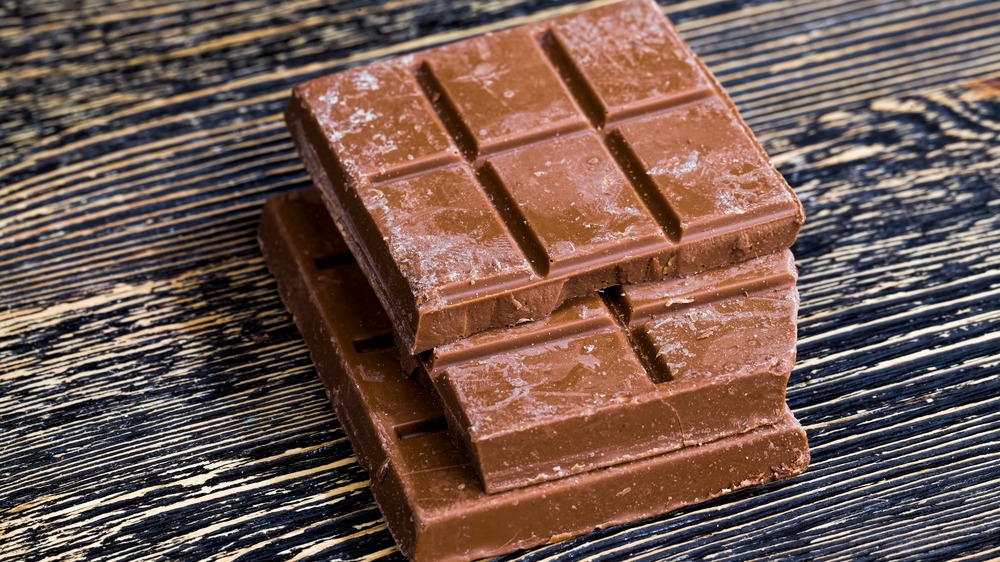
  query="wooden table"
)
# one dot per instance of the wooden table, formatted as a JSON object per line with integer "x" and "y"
{"x": 156, "y": 401}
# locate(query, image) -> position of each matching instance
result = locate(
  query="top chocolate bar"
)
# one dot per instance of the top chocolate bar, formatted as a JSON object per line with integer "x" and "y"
{"x": 482, "y": 183}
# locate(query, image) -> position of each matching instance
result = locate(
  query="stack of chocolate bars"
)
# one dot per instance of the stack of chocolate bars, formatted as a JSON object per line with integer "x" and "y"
{"x": 545, "y": 281}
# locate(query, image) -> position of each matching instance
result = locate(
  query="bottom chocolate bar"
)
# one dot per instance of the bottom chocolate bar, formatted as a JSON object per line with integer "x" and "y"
{"x": 430, "y": 495}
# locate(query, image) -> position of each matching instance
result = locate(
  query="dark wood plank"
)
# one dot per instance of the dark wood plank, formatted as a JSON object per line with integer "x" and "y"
{"x": 156, "y": 400}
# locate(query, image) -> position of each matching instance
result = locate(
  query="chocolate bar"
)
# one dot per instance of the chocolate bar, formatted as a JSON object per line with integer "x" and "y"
{"x": 481, "y": 184}
{"x": 605, "y": 379}
{"x": 582, "y": 390}
{"x": 431, "y": 494}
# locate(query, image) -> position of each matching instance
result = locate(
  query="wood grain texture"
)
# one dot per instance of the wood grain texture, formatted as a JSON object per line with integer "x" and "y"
{"x": 156, "y": 401}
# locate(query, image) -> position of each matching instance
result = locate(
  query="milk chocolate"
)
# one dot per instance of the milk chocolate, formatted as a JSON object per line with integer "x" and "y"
{"x": 481, "y": 184}
{"x": 604, "y": 380}
{"x": 607, "y": 378}
{"x": 433, "y": 501}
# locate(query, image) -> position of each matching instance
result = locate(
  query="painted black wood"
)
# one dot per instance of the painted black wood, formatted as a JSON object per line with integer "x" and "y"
{"x": 156, "y": 401}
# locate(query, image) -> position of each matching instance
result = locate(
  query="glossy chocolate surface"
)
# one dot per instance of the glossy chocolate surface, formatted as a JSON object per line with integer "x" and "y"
{"x": 430, "y": 493}
{"x": 481, "y": 184}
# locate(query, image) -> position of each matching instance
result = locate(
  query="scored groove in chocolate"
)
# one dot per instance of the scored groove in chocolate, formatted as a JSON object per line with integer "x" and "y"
{"x": 585, "y": 97}
{"x": 403, "y": 172}
{"x": 637, "y": 303}
{"x": 503, "y": 90}
{"x": 589, "y": 101}
{"x": 577, "y": 202}
{"x": 513, "y": 218}
{"x": 643, "y": 185}
{"x": 634, "y": 61}
{"x": 446, "y": 112}
{"x": 643, "y": 348}
{"x": 559, "y": 326}
{"x": 689, "y": 145}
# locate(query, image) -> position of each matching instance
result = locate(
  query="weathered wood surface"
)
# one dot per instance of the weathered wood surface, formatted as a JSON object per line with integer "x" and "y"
{"x": 156, "y": 401}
